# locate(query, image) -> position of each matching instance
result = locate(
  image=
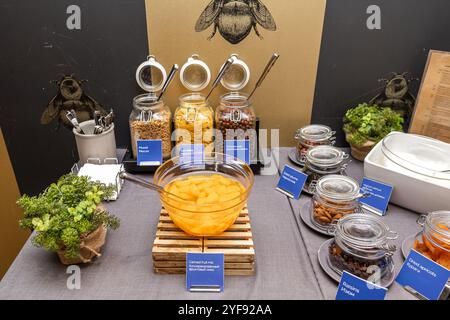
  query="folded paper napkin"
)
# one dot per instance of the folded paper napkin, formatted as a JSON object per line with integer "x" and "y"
{"x": 105, "y": 173}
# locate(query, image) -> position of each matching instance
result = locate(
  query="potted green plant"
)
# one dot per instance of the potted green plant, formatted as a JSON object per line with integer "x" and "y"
{"x": 68, "y": 218}
{"x": 365, "y": 125}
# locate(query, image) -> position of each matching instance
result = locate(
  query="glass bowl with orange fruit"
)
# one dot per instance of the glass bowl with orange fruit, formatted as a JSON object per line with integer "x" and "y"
{"x": 204, "y": 198}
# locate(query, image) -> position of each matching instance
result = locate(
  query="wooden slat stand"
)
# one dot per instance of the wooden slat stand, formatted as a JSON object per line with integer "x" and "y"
{"x": 171, "y": 245}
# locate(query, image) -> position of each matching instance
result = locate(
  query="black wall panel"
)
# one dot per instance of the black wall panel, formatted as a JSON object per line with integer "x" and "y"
{"x": 36, "y": 47}
{"x": 353, "y": 58}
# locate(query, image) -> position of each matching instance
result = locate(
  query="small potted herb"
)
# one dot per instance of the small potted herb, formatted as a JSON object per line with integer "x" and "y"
{"x": 68, "y": 218}
{"x": 366, "y": 125}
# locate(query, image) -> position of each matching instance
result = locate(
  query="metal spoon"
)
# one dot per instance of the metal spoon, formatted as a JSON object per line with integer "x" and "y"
{"x": 168, "y": 80}
{"x": 222, "y": 72}
{"x": 148, "y": 185}
{"x": 266, "y": 71}
{"x": 72, "y": 117}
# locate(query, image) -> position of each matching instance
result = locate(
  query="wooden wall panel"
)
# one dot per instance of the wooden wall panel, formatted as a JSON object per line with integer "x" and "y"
{"x": 12, "y": 237}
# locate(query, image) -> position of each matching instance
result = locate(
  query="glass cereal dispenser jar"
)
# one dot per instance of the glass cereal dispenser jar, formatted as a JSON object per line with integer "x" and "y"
{"x": 150, "y": 118}
{"x": 194, "y": 118}
{"x": 235, "y": 115}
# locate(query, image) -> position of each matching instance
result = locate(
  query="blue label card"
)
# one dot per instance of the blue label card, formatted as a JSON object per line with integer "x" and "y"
{"x": 149, "y": 152}
{"x": 239, "y": 149}
{"x": 192, "y": 153}
{"x": 377, "y": 197}
{"x": 291, "y": 182}
{"x": 352, "y": 287}
{"x": 205, "y": 272}
{"x": 423, "y": 276}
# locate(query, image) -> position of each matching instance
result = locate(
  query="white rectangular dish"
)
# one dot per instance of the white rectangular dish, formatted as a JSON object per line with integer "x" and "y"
{"x": 418, "y": 167}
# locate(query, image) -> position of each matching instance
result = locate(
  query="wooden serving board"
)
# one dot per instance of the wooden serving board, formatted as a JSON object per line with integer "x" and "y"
{"x": 171, "y": 245}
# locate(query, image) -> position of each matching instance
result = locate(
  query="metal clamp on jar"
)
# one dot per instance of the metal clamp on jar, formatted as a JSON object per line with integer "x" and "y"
{"x": 194, "y": 118}
{"x": 335, "y": 197}
{"x": 321, "y": 161}
{"x": 312, "y": 136}
{"x": 150, "y": 118}
{"x": 362, "y": 247}
{"x": 235, "y": 115}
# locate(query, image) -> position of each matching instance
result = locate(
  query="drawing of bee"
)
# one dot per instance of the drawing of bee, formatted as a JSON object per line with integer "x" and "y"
{"x": 235, "y": 19}
{"x": 70, "y": 96}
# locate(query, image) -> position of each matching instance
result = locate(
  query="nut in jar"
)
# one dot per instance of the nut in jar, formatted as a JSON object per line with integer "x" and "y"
{"x": 335, "y": 197}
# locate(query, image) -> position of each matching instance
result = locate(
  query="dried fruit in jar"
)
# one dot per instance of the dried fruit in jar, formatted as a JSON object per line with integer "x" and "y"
{"x": 439, "y": 254}
{"x": 357, "y": 266}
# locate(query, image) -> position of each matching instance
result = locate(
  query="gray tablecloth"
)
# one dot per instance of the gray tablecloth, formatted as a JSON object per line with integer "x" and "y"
{"x": 398, "y": 219}
{"x": 286, "y": 255}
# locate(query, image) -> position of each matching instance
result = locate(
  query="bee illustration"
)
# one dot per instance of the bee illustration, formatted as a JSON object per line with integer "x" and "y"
{"x": 396, "y": 94}
{"x": 235, "y": 19}
{"x": 70, "y": 96}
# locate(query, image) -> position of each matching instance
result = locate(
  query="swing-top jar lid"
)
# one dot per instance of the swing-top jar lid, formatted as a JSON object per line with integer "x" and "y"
{"x": 195, "y": 74}
{"x": 237, "y": 76}
{"x": 151, "y": 75}
{"x": 338, "y": 187}
{"x": 365, "y": 231}
{"x": 326, "y": 156}
{"x": 315, "y": 132}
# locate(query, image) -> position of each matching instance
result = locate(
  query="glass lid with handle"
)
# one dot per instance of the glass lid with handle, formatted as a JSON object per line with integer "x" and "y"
{"x": 195, "y": 74}
{"x": 151, "y": 75}
{"x": 420, "y": 154}
{"x": 237, "y": 76}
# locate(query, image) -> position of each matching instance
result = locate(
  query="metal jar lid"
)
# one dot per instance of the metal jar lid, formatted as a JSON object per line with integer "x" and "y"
{"x": 338, "y": 188}
{"x": 238, "y": 76}
{"x": 315, "y": 132}
{"x": 326, "y": 156}
{"x": 195, "y": 74}
{"x": 151, "y": 75}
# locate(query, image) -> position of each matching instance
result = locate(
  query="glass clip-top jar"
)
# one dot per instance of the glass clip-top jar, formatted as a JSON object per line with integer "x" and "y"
{"x": 362, "y": 246}
{"x": 235, "y": 116}
{"x": 150, "y": 119}
{"x": 194, "y": 118}
{"x": 434, "y": 239}
{"x": 321, "y": 161}
{"x": 335, "y": 197}
{"x": 312, "y": 136}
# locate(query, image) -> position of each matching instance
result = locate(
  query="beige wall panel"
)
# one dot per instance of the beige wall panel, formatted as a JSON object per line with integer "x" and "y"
{"x": 285, "y": 99}
{"x": 12, "y": 237}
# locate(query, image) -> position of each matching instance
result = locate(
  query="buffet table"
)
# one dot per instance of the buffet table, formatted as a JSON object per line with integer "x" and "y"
{"x": 286, "y": 254}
